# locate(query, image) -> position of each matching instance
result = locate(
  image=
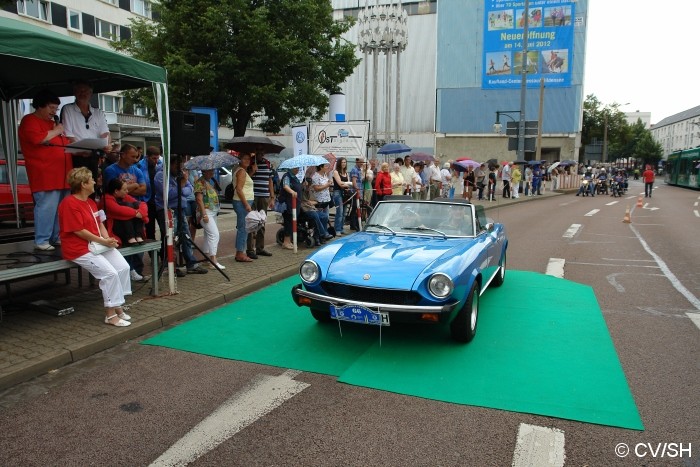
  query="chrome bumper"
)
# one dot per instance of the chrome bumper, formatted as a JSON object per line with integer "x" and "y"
{"x": 338, "y": 302}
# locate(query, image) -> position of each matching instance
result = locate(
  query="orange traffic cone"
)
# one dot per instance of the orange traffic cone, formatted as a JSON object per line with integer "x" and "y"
{"x": 627, "y": 219}
{"x": 639, "y": 201}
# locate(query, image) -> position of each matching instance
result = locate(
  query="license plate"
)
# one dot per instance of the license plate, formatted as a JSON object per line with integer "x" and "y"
{"x": 359, "y": 314}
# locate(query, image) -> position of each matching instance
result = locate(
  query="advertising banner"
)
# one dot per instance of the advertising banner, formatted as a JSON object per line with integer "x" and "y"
{"x": 301, "y": 140}
{"x": 344, "y": 139}
{"x": 550, "y": 43}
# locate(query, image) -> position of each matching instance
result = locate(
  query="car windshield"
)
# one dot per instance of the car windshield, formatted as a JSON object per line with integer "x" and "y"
{"x": 441, "y": 219}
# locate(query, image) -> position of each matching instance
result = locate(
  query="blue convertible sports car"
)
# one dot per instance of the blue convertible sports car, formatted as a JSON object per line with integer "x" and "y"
{"x": 415, "y": 261}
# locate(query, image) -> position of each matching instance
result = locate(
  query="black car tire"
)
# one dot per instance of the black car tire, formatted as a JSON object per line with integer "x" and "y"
{"x": 321, "y": 316}
{"x": 501, "y": 275}
{"x": 463, "y": 326}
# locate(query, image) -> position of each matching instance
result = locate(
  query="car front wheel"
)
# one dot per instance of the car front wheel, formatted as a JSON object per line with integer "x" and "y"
{"x": 463, "y": 327}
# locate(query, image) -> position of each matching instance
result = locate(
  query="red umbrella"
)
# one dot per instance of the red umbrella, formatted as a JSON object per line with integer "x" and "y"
{"x": 330, "y": 157}
{"x": 463, "y": 159}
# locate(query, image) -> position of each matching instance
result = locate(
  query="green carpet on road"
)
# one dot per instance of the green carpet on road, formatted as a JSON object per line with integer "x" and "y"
{"x": 542, "y": 347}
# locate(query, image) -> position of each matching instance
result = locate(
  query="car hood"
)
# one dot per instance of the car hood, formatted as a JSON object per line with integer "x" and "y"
{"x": 392, "y": 262}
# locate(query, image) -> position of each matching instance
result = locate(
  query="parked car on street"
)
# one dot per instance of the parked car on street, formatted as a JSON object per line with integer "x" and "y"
{"x": 414, "y": 261}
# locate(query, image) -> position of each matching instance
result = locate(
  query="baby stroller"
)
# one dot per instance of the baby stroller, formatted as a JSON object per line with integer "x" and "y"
{"x": 307, "y": 232}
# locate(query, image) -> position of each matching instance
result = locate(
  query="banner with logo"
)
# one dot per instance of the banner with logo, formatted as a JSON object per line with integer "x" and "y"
{"x": 301, "y": 140}
{"x": 343, "y": 139}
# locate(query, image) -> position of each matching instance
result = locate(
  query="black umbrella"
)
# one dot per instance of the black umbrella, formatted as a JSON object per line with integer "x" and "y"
{"x": 247, "y": 144}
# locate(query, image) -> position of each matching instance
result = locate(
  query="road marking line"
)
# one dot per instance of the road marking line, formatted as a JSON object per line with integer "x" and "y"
{"x": 592, "y": 213}
{"x": 667, "y": 272}
{"x": 537, "y": 445}
{"x": 614, "y": 265}
{"x": 625, "y": 259}
{"x": 697, "y": 214}
{"x": 695, "y": 318}
{"x": 611, "y": 203}
{"x": 695, "y": 203}
{"x": 264, "y": 394}
{"x": 572, "y": 231}
{"x": 555, "y": 267}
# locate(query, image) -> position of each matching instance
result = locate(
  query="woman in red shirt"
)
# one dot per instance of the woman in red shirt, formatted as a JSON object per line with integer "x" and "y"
{"x": 81, "y": 223}
{"x": 382, "y": 183}
{"x": 41, "y": 139}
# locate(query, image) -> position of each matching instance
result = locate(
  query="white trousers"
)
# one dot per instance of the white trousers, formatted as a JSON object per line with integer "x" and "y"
{"x": 211, "y": 234}
{"x": 112, "y": 270}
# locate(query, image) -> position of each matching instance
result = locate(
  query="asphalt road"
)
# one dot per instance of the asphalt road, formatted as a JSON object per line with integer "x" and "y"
{"x": 134, "y": 404}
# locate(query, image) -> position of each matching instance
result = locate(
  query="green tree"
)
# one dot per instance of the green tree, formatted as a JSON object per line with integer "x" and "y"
{"x": 278, "y": 59}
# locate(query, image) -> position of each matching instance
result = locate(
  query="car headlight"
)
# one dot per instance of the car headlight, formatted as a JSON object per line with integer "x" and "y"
{"x": 309, "y": 271}
{"x": 440, "y": 285}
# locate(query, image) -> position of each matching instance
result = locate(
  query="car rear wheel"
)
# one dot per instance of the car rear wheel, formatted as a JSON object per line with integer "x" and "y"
{"x": 501, "y": 275}
{"x": 463, "y": 327}
{"x": 321, "y": 315}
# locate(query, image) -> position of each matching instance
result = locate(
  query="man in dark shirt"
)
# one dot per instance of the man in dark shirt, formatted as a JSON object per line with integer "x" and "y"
{"x": 264, "y": 199}
{"x": 148, "y": 166}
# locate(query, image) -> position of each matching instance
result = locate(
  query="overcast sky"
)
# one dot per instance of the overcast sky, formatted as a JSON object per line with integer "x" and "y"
{"x": 645, "y": 53}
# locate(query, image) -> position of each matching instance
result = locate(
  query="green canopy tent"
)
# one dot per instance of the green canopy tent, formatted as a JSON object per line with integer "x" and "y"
{"x": 33, "y": 58}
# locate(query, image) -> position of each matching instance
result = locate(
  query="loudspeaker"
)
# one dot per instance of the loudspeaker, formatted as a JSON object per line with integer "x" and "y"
{"x": 189, "y": 133}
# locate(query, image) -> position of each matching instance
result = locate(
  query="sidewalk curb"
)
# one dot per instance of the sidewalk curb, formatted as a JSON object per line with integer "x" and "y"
{"x": 73, "y": 353}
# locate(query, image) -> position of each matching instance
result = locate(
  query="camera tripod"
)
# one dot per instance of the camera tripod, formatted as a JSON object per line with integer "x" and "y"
{"x": 181, "y": 234}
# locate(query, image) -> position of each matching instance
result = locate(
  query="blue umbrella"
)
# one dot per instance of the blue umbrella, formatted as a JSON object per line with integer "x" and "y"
{"x": 536, "y": 162}
{"x": 393, "y": 148}
{"x": 213, "y": 161}
{"x": 303, "y": 160}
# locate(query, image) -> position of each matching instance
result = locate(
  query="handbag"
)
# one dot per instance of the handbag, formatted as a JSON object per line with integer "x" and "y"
{"x": 98, "y": 248}
{"x": 94, "y": 247}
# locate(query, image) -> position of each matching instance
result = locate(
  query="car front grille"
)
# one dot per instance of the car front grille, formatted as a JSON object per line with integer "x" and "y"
{"x": 366, "y": 294}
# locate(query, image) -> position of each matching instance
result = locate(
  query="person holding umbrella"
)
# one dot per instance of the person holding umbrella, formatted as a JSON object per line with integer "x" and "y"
{"x": 291, "y": 188}
{"x": 264, "y": 200}
{"x": 208, "y": 206}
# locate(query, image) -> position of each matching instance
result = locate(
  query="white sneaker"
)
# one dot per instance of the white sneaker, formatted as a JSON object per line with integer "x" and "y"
{"x": 220, "y": 266}
{"x": 44, "y": 247}
{"x": 135, "y": 276}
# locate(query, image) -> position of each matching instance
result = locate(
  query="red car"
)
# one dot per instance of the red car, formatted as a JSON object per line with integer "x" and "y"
{"x": 24, "y": 194}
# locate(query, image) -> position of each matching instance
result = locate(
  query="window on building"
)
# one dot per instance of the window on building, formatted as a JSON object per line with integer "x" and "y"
{"x": 141, "y": 7}
{"x": 111, "y": 2}
{"x": 106, "y": 30}
{"x": 39, "y": 9}
{"x": 110, "y": 103}
{"x": 140, "y": 110}
{"x": 75, "y": 20}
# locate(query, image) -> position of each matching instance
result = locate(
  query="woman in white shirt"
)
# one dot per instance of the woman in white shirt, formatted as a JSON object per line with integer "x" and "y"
{"x": 398, "y": 185}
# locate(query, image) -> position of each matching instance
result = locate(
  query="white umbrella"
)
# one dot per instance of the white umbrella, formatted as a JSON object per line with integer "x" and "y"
{"x": 303, "y": 160}
{"x": 553, "y": 166}
{"x": 254, "y": 221}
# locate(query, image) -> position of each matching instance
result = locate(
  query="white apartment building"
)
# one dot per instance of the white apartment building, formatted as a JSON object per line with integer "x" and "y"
{"x": 678, "y": 132}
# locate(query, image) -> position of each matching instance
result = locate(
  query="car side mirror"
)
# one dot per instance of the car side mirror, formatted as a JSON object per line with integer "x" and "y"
{"x": 490, "y": 226}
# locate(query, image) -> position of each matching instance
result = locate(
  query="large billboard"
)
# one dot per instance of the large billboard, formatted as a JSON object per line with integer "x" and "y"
{"x": 550, "y": 43}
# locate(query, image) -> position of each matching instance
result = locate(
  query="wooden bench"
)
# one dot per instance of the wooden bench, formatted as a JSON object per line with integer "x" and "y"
{"x": 7, "y": 276}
